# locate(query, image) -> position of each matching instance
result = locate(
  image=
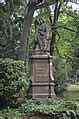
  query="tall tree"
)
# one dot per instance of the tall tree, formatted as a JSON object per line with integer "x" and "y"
{"x": 32, "y": 6}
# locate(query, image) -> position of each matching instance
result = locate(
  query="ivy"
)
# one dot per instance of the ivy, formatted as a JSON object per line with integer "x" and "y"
{"x": 47, "y": 107}
{"x": 42, "y": 107}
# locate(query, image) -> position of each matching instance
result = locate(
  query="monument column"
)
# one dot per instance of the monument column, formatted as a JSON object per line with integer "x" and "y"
{"x": 42, "y": 81}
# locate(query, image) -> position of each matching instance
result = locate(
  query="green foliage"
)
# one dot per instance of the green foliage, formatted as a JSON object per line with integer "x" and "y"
{"x": 75, "y": 50}
{"x": 6, "y": 28}
{"x": 11, "y": 19}
{"x": 46, "y": 107}
{"x": 61, "y": 73}
{"x": 13, "y": 81}
{"x": 9, "y": 113}
{"x": 5, "y": 32}
{"x": 66, "y": 49}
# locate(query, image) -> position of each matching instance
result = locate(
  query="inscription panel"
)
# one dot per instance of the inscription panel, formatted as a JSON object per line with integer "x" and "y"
{"x": 41, "y": 72}
{"x": 41, "y": 90}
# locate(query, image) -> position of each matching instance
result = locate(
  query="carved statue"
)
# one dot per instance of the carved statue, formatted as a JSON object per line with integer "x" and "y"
{"x": 42, "y": 36}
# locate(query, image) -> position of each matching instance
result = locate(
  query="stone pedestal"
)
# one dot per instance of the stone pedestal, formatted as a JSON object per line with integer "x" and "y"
{"x": 42, "y": 81}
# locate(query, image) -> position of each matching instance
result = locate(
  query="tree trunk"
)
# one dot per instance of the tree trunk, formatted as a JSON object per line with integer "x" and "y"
{"x": 56, "y": 16}
{"x": 23, "y": 51}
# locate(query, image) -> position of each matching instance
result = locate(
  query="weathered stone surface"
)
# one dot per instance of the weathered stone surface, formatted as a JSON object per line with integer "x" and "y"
{"x": 41, "y": 72}
{"x": 42, "y": 85}
{"x": 42, "y": 36}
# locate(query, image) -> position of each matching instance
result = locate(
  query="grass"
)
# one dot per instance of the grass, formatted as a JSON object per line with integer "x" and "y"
{"x": 73, "y": 87}
{"x": 73, "y": 92}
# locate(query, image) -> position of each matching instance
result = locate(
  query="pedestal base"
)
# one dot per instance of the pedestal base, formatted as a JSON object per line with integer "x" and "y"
{"x": 42, "y": 85}
{"x": 42, "y": 90}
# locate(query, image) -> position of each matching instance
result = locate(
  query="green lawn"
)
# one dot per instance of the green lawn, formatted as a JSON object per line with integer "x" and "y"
{"x": 73, "y": 91}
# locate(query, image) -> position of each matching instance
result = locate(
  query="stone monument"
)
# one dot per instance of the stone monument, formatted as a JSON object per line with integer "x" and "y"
{"x": 42, "y": 81}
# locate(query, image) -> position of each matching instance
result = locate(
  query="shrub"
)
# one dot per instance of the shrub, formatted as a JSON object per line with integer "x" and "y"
{"x": 42, "y": 107}
{"x": 13, "y": 81}
{"x": 47, "y": 107}
{"x": 9, "y": 113}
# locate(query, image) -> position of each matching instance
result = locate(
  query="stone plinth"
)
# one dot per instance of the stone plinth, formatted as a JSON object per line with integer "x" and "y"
{"x": 42, "y": 81}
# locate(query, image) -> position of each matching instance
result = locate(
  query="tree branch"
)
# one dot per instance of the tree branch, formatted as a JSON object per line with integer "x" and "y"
{"x": 58, "y": 35}
{"x": 71, "y": 15}
{"x": 68, "y": 28}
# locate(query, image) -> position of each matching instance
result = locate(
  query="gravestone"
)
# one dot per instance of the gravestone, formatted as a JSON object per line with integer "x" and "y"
{"x": 42, "y": 81}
